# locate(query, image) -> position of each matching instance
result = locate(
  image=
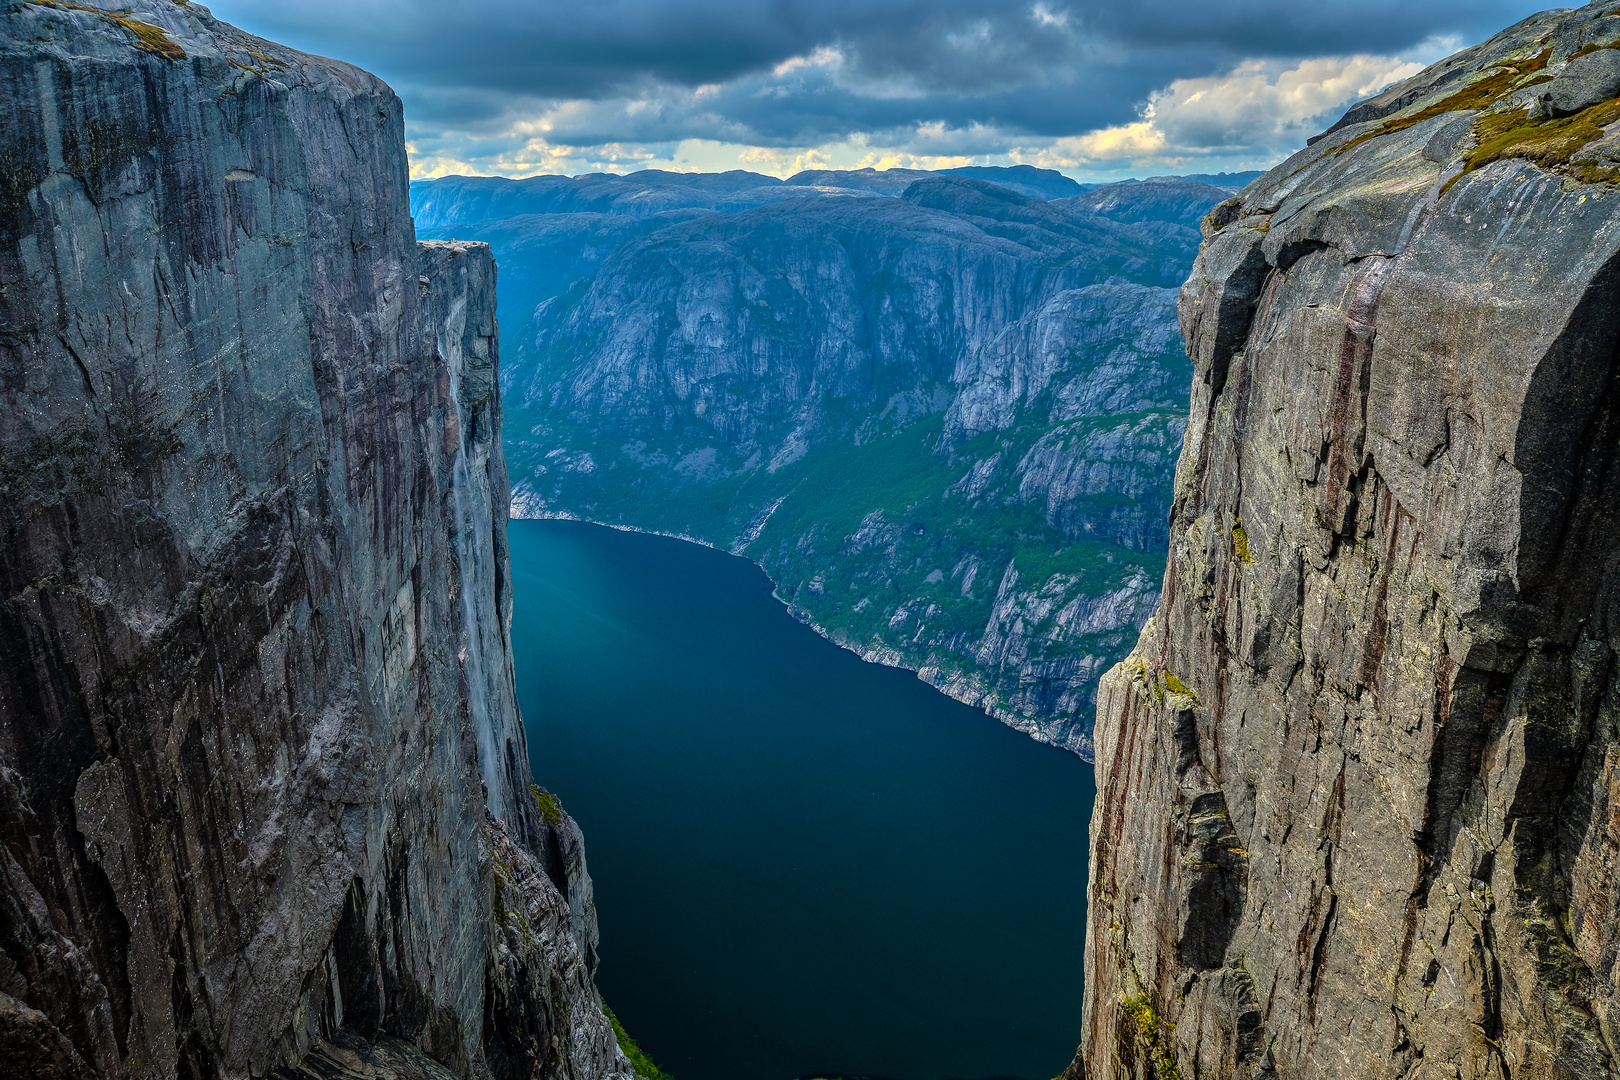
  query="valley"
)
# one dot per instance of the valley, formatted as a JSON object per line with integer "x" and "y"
{"x": 940, "y": 410}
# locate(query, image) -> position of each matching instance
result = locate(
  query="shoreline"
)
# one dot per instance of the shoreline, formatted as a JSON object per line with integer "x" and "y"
{"x": 959, "y": 686}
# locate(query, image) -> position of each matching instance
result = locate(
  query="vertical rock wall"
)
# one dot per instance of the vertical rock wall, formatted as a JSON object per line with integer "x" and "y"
{"x": 255, "y": 692}
{"x": 1358, "y": 806}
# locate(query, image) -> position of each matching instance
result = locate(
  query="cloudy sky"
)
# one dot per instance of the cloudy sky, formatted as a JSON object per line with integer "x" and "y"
{"x": 1096, "y": 88}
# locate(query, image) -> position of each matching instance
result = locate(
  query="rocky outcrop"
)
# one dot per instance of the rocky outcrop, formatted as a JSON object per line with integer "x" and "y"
{"x": 1357, "y": 812}
{"x": 264, "y": 797}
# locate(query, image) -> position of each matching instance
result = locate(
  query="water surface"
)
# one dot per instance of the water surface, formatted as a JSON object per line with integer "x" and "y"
{"x": 804, "y": 863}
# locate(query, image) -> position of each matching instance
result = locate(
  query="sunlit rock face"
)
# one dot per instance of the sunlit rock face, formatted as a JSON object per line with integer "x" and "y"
{"x": 256, "y": 707}
{"x": 1357, "y": 783}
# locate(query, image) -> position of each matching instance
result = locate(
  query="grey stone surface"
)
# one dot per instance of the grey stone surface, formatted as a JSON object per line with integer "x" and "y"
{"x": 255, "y": 696}
{"x": 1585, "y": 81}
{"x": 1357, "y": 800}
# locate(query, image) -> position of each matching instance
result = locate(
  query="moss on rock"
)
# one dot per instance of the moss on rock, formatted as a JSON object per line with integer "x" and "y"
{"x": 1548, "y": 143}
{"x": 1480, "y": 94}
{"x": 148, "y": 38}
{"x": 550, "y": 808}
{"x": 639, "y": 1061}
{"x": 1153, "y": 1035}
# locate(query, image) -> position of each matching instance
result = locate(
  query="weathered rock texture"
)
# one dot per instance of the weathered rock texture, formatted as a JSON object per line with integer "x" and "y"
{"x": 1359, "y": 785}
{"x": 256, "y": 702}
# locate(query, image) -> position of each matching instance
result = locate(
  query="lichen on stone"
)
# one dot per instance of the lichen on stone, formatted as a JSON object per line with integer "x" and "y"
{"x": 1152, "y": 1033}
{"x": 148, "y": 38}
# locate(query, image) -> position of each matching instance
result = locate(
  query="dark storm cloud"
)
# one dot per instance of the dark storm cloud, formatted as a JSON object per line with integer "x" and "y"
{"x": 1043, "y": 69}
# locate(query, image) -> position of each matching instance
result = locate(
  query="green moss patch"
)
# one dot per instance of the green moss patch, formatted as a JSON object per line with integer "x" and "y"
{"x": 1159, "y": 682}
{"x": 1592, "y": 47}
{"x": 1480, "y": 94}
{"x": 1547, "y": 143}
{"x": 639, "y": 1061}
{"x": 1550, "y": 144}
{"x": 550, "y": 808}
{"x": 267, "y": 61}
{"x": 1153, "y": 1035}
{"x": 1176, "y": 686}
{"x": 148, "y": 38}
{"x": 1240, "y": 543}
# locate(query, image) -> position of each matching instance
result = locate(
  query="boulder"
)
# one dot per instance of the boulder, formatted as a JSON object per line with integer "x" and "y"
{"x": 1585, "y": 82}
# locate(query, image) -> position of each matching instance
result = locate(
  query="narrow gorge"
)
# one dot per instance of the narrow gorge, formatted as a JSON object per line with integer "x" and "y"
{"x": 264, "y": 793}
{"x": 268, "y": 803}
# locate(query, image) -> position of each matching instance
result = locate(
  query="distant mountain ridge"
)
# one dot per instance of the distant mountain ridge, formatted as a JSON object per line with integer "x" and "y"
{"x": 451, "y": 200}
{"x": 940, "y": 411}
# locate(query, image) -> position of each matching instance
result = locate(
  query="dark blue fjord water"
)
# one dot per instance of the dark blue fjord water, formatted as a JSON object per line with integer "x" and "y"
{"x": 805, "y": 864}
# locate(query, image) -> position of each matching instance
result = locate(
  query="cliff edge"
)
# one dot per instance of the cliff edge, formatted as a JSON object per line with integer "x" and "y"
{"x": 264, "y": 797}
{"x": 1358, "y": 806}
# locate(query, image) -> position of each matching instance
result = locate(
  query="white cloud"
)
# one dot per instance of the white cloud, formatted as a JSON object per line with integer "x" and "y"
{"x": 1248, "y": 117}
{"x": 1045, "y": 16}
{"x": 1259, "y": 108}
{"x": 824, "y": 57}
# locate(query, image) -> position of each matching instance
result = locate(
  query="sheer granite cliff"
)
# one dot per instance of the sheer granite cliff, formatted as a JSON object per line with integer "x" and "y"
{"x": 264, "y": 798}
{"x": 1358, "y": 805}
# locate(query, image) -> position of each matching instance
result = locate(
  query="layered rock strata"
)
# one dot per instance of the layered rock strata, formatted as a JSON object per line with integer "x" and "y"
{"x": 264, "y": 798}
{"x": 1358, "y": 805}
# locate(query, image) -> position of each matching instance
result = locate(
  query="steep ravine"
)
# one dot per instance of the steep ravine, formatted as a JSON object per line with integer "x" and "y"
{"x": 265, "y": 804}
{"x": 1358, "y": 807}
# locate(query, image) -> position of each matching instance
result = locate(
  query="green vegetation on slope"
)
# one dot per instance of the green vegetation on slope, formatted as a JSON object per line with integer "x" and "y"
{"x": 1549, "y": 143}
{"x": 550, "y": 808}
{"x": 643, "y": 1065}
{"x": 1153, "y": 1035}
{"x": 866, "y": 525}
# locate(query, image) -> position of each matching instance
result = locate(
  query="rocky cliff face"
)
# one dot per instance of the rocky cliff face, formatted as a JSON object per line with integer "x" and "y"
{"x": 1357, "y": 786}
{"x": 942, "y": 414}
{"x": 264, "y": 797}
